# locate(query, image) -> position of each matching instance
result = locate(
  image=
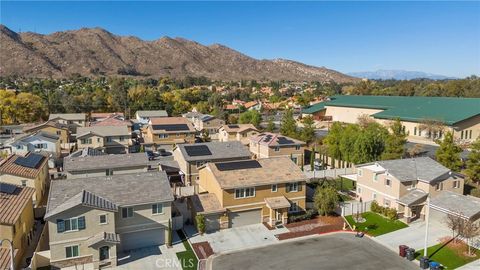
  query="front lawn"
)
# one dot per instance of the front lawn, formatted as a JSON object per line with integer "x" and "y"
{"x": 187, "y": 258}
{"x": 449, "y": 256}
{"x": 376, "y": 225}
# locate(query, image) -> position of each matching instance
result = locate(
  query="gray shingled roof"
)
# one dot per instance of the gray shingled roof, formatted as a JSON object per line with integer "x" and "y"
{"x": 104, "y": 131}
{"x": 467, "y": 206}
{"x": 219, "y": 150}
{"x": 105, "y": 237}
{"x": 157, "y": 113}
{"x": 119, "y": 190}
{"x": 420, "y": 168}
{"x": 86, "y": 163}
{"x": 68, "y": 116}
{"x": 414, "y": 196}
{"x": 85, "y": 152}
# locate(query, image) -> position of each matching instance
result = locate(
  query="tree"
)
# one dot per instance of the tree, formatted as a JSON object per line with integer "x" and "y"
{"x": 395, "y": 142}
{"x": 308, "y": 131}
{"x": 169, "y": 235}
{"x": 250, "y": 117}
{"x": 448, "y": 154}
{"x": 270, "y": 125}
{"x": 364, "y": 120}
{"x": 454, "y": 223}
{"x": 416, "y": 150}
{"x": 312, "y": 159}
{"x": 205, "y": 135}
{"x": 201, "y": 226}
{"x": 288, "y": 126}
{"x": 232, "y": 119}
{"x": 432, "y": 127}
{"x": 325, "y": 200}
{"x": 473, "y": 163}
{"x": 469, "y": 230}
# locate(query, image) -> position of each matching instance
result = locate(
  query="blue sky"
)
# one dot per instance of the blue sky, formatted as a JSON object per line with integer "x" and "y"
{"x": 435, "y": 37}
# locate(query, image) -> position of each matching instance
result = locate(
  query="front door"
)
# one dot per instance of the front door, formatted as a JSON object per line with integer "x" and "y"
{"x": 279, "y": 216}
{"x": 104, "y": 253}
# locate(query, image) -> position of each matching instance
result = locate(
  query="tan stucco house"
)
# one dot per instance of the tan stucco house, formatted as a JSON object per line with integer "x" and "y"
{"x": 91, "y": 220}
{"x": 52, "y": 127}
{"x": 266, "y": 144}
{"x": 72, "y": 120}
{"x": 109, "y": 139}
{"x": 205, "y": 122}
{"x": 249, "y": 192}
{"x": 237, "y": 132}
{"x": 168, "y": 131}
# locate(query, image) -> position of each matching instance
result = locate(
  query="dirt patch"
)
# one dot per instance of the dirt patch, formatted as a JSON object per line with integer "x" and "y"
{"x": 203, "y": 250}
{"x": 317, "y": 225}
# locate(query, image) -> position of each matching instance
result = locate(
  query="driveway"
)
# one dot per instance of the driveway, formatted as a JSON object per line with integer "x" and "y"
{"x": 237, "y": 238}
{"x": 333, "y": 251}
{"x": 414, "y": 235}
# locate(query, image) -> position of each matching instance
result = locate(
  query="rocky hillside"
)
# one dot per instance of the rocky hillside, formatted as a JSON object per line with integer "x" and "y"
{"x": 95, "y": 52}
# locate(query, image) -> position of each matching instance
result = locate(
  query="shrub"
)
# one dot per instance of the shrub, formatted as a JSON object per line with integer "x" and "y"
{"x": 390, "y": 213}
{"x": 201, "y": 226}
{"x": 375, "y": 207}
{"x": 475, "y": 192}
{"x": 309, "y": 214}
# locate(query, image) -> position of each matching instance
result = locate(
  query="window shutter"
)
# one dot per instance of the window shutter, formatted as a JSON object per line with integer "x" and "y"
{"x": 60, "y": 226}
{"x": 81, "y": 223}
{"x": 299, "y": 186}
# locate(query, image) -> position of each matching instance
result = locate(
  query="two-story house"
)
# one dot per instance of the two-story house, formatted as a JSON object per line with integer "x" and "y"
{"x": 404, "y": 184}
{"x": 104, "y": 165}
{"x": 37, "y": 142}
{"x": 169, "y": 131}
{"x": 143, "y": 117}
{"x": 30, "y": 170}
{"x": 192, "y": 157}
{"x": 91, "y": 220}
{"x": 268, "y": 144}
{"x": 109, "y": 139}
{"x": 205, "y": 122}
{"x": 52, "y": 127}
{"x": 237, "y": 132}
{"x": 72, "y": 120}
{"x": 16, "y": 219}
{"x": 249, "y": 192}
{"x": 114, "y": 120}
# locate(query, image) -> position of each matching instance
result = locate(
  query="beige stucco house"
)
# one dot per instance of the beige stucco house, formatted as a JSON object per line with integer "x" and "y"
{"x": 237, "y": 132}
{"x": 268, "y": 144}
{"x": 109, "y": 139}
{"x": 169, "y": 131}
{"x": 91, "y": 220}
{"x": 72, "y": 120}
{"x": 249, "y": 192}
{"x": 205, "y": 122}
{"x": 52, "y": 127}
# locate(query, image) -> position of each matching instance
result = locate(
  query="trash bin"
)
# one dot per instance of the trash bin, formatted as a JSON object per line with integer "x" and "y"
{"x": 410, "y": 254}
{"x": 434, "y": 266}
{"x": 402, "y": 250}
{"x": 424, "y": 262}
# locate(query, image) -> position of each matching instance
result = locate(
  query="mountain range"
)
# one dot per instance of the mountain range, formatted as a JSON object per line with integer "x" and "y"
{"x": 397, "y": 75}
{"x": 97, "y": 52}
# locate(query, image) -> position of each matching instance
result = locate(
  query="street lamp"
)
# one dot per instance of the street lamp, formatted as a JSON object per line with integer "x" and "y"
{"x": 427, "y": 218}
{"x": 11, "y": 252}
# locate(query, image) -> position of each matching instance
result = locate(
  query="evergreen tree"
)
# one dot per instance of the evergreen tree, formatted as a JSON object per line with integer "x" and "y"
{"x": 325, "y": 200}
{"x": 271, "y": 125}
{"x": 473, "y": 163}
{"x": 250, "y": 117}
{"x": 308, "y": 132}
{"x": 289, "y": 126}
{"x": 448, "y": 154}
{"x": 395, "y": 142}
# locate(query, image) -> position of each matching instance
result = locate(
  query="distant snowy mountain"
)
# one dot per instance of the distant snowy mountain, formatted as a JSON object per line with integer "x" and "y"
{"x": 397, "y": 75}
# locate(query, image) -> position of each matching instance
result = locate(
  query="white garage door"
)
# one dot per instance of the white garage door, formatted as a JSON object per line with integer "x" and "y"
{"x": 142, "y": 239}
{"x": 243, "y": 218}
{"x": 212, "y": 223}
{"x": 437, "y": 216}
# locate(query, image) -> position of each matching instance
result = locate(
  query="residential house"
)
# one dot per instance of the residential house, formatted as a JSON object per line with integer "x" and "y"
{"x": 36, "y": 142}
{"x": 144, "y": 116}
{"x": 91, "y": 220}
{"x": 253, "y": 105}
{"x": 168, "y": 131}
{"x": 52, "y": 127}
{"x": 104, "y": 165}
{"x": 237, "y": 132}
{"x": 112, "y": 121}
{"x": 423, "y": 118}
{"x": 249, "y": 192}
{"x": 452, "y": 203}
{"x": 99, "y": 116}
{"x": 16, "y": 221}
{"x": 72, "y": 120}
{"x": 205, "y": 122}
{"x": 192, "y": 157}
{"x": 268, "y": 144}
{"x": 109, "y": 139}
{"x": 404, "y": 184}
{"x": 30, "y": 170}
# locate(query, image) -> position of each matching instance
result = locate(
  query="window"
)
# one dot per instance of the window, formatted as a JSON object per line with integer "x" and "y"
{"x": 388, "y": 182}
{"x": 98, "y": 140}
{"x": 71, "y": 251}
{"x": 178, "y": 134}
{"x": 470, "y": 134}
{"x": 127, "y": 212}
{"x": 292, "y": 187}
{"x": 456, "y": 184}
{"x": 40, "y": 145}
{"x": 200, "y": 163}
{"x": 86, "y": 141}
{"x": 277, "y": 149}
{"x": 297, "y": 147}
{"x": 72, "y": 224}
{"x": 374, "y": 196}
{"x": 108, "y": 172}
{"x": 415, "y": 131}
{"x": 157, "y": 209}
{"x": 244, "y": 193}
{"x": 359, "y": 190}
{"x": 102, "y": 219}
{"x": 439, "y": 186}
{"x": 274, "y": 188}
{"x": 121, "y": 139}
{"x": 294, "y": 159}
{"x": 375, "y": 177}
{"x": 109, "y": 139}
{"x": 413, "y": 184}
{"x": 19, "y": 147}
{"x": 59, "y": 132}
{"x": 293, "y": 207}
{"x": 162, "y": 136}
{"x": 386, "y": 203}
{"x": 461, "y": 135}
{"x": 359, "y": 172}
{"x": 24, "y": 183}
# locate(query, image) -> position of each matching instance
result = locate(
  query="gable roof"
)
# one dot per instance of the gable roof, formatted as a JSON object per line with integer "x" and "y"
{"x": 274, "y": 170}
{"x": 421, "y": 168}
{"x": 275, "y": 139}
{"x": 12, "y": 205}
{"x": 68, "y": 116}
{"x": 163, "y": 125}
{"x": 46, "y": 124}
{"x": 109, "y": 192}
{"x": 218, "y": 150}
{"x": 8, "y": 166}
{"x": 39, "y": 135}
{"x": 414, "y": 109}
{"x": 458, "y": 204}
{"x": 250, "y": 104}
{"x": 103, "y": 131}
{"x": 156, "y": 113}
{"x": 111, "y": 121}
{"x": 238, "y": 127}
{"x": 99, "y": 162}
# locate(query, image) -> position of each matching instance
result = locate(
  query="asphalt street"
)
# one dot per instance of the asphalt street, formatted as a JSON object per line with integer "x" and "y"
{"x": 337, "y": 251}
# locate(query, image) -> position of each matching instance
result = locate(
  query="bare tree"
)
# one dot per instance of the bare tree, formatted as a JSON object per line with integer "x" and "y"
{"x": 470, "y": 230}
{"x": 364, "y": 120}
{"x": 454, "y": 223}
{"x": 415, "y": 150}
{"x": 432, "y": 127}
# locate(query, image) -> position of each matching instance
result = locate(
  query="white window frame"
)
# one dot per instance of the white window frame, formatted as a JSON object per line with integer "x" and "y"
{"x": 456, "y": 184}
{"x": 24, "y": 182}
{"x": 71, "y": 251}
{"x": 359, "y": 172}
{"x": 439, "y": 186}
{"x": 155, "y": 207}
{"x": 128, "y": 216}
{"x": 292, "y": 187}
{"x": 297, "y": 147}
{"x": 276, "y": 149}
{"x": 70, "y": 224}
{"x": 100, "y": 219}
{"x": 388, "y": 182}
{"x": 274, "y": 189}
{"x": 241, "y": 193}
{"x": 375, "y": 177}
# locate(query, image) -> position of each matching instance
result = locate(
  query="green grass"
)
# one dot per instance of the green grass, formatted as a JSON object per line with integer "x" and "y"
{"x": 344, "y": 184}
{"x": 187, "y": 258}
{"x": 449, "y": 257}
{"x": 376, "y": 225}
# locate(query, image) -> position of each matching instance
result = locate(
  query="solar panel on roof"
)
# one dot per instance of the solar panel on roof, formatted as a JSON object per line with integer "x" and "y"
{"x": 283, "y": 140}
{"x": 198, "y": 150}
{"x": 171, "y": 127}
{"x": 7, "y": 188}
{"x": 30, "y": 161}
{"x": 238, "y": 165}
{"x": 233, "y": 126}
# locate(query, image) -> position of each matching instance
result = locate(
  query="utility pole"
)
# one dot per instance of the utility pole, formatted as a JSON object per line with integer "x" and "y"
{"x": 427, "y": 218}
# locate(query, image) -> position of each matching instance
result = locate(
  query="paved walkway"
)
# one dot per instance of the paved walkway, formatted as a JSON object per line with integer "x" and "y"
{"x": 475, "y": 265}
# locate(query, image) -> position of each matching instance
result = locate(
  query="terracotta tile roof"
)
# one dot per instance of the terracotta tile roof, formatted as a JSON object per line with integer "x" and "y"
{"x": 12, "y": 205}
{"x": 206, "y": 203}
{"x": 250, "y": 104}
{"x": 8, "y": 166}
{"x": 231, "y": 107}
